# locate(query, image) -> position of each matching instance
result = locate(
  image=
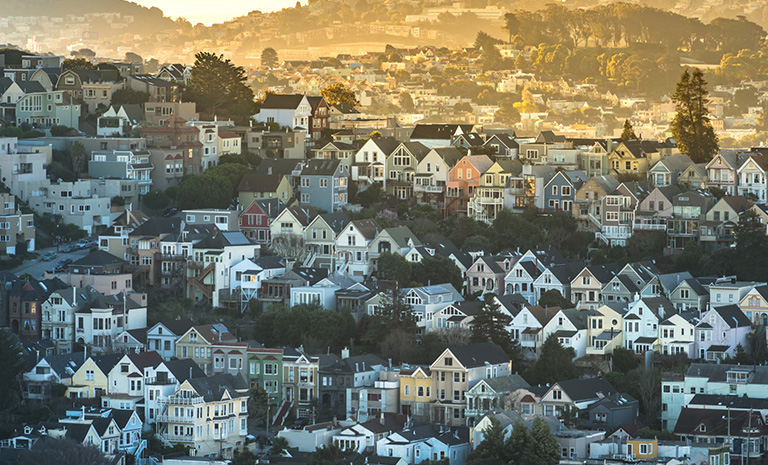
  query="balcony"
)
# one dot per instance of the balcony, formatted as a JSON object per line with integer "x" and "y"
{"x": 175, "y": 400}
{"x": 174, "y": 419}
{"x": 428, "y": 189}
{"x": 176, "y": 438}
{"x": 649, "y": 227}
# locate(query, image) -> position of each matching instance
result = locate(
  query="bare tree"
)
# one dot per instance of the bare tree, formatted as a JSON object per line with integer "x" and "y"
{"x": 290, "y": 245}
{"x": 455, "y": 336}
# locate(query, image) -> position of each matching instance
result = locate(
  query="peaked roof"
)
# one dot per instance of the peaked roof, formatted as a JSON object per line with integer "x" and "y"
{"x": 580, "y": 390}
{"x": 254, "y": 182}
{"x": 438, "y": 131}
{"x": 212, "y": 388}
{"x": 282, "y": 101}
{"x": 475, "y": 355}
{"x": 304, "y": 214}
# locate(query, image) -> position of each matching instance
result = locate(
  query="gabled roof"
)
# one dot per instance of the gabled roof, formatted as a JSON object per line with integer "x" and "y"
{"x": 212, "y": 388}
{"x": 401, "y": 235}
{"x": 281, "y": 166}
{"x": 320, "y": 167}
{"x": 254, "y": 182}
{"x": 417, "y": 149}
{"x": 475, "y": 355}
{"x": 304, "y": 214}
{"x": 336, "y": 221}
{"x": 178, "y": 326}
{"x": 438, "y": 131}
{"x": 184, "y": 369}
{"x": 715, "y": 422}
{"x": 157, "y": 226}
{"x": 480, "y": 162}
{"x": 386, "y": 144}
{"x": 99, "y": 258}
{"x": 737, "y": 202}
{"x": 603, "y": 273}
{"x": 549, "y": 137}
{"x": 450, "y": 155}
{"x": 581, "y": 390}
{"x": 107, "y": 362}
{"x": 509, "y": 383}
{"x": 675, "y": 163}
{"x": 733, "y": 316}
{"x": 282, "y": 101}
{"x": 368, "y": 228}
{"x": 145, "y": 359}
{"x": 215, "y": 333}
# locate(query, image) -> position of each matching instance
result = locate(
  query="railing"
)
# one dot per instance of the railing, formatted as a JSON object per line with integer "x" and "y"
{"x": 174, "y": 419}
{"x": 428, "y": 188}
{"x": 173, "y": 400}
{"x": 156, "y": 382}
{"x": 595, "y": 219}
{"x": 650, "y": 227}
{"x": 174, "y": 438}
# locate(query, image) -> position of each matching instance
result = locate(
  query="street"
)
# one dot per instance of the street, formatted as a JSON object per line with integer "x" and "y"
{"x": 37, "y": 267}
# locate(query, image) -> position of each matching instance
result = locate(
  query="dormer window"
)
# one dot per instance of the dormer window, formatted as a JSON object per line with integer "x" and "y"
{"x": 702, "y": 428}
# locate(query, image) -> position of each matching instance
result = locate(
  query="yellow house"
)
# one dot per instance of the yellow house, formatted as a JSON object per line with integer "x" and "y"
{"x": 628, "y": 158}
{"x": 604, "y": 327}
{"x": 197, "y": 343}
{"x": 642, "y": 449}
{"x": 91, "y": 379}
{"x": 416, "y": 392}
{"x": 256, "y": 186}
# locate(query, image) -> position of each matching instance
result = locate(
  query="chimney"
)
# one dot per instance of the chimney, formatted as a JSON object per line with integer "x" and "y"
{"x": 345, "y": 353}
{"x": 381, "y": 418}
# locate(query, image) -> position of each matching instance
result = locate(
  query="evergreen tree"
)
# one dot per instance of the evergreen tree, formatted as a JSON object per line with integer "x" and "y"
{"x": 555, "y": 363}
{"x": 218, "y": 87}
{"x": 545, "y": 447}
{"x": 491, "y": 450}
{"x": 629, "y": 132}
{"x": 11, "y": 368}
{"x": 691, "y": 127}
{"x": 490, "y": 324}
{"x": 269, "y": 58}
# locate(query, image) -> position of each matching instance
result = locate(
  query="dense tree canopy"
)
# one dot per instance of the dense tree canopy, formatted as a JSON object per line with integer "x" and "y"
{"x": 269, "y": 58}
{"x": 336, "y": 94}
{"x": 218, "y": 87}
{"x": 691, "y": 126}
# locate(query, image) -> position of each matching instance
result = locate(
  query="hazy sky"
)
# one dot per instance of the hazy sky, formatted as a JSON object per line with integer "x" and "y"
{"x": 213, "y": 11}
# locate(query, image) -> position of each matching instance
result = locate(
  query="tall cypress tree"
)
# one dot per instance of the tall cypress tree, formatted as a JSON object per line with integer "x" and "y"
{"x": 628, "y": 133}
{"x": 691, "y": 126}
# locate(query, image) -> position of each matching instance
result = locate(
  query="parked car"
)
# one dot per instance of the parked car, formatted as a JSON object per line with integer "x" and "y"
{"x": 170, "y": 212}
{"x": 62, "y": 264}
{"x": 49, "y": 256}
{"x": 301, "y": 423}
{"x": 68, "y": 248}
{"x": 85, "y": 244}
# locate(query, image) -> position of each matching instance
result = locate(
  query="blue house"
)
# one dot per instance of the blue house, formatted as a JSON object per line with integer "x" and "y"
{"x": 560, "y": 191}
{"x": 324, "y": 185}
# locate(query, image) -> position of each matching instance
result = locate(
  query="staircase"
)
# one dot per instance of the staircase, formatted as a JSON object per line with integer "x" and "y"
{"x": 343, "y": 269}
{"x": 310, "y": 260}
{"x": 281, "y": 413}
{"x": 197, "y": 281}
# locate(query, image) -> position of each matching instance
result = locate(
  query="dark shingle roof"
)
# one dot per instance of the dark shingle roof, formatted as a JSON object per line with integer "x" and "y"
{"x": 282, "y": 101}
{"x": 475, "y": 355}
{"x": 212, "y": 388}
{"x": 580, "y": 390}
{"x": 254, "y": 182}
{"x": 99, "y": 258}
